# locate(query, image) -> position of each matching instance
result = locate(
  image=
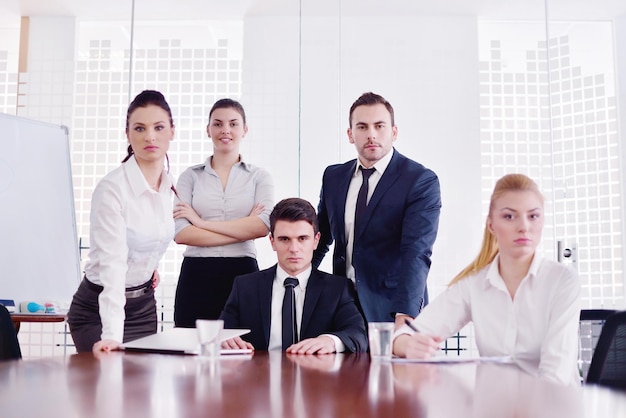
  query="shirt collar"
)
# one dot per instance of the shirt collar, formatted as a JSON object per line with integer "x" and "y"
{"x": 137, "y": 181}
{"x": 380, "y": 166}
{"x": 303, "y": 277}
{"x": 241, "y": 162}
{"x": 493, "y": 274}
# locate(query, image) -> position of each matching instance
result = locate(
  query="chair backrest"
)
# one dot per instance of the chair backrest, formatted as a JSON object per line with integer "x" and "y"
{"x": 596, "y": 314}
{"x": 608, "y": 364}
{"x": 589, "y": 329}
{"x": 9, "y": 345}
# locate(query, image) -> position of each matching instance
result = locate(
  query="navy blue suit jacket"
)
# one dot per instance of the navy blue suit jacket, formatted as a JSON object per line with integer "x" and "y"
{"x": 329, "y": 308}
{"x": 392, "y": 248}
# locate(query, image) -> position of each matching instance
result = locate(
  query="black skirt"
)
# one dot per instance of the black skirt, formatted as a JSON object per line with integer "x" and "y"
{"x": 204, "y": 286}
{"x": 84, "y": 321}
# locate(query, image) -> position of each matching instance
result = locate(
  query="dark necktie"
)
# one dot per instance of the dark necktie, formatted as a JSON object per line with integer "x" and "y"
{"x": 290, "y": 327}
{"x": 361, "y": 200}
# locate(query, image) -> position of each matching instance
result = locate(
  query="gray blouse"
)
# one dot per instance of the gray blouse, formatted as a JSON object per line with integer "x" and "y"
{"x": 247, "y": 185}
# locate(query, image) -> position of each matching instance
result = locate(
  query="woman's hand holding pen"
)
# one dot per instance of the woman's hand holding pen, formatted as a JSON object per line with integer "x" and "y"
{"x": 421, "y": 346}
{"x": 417, "y": 345}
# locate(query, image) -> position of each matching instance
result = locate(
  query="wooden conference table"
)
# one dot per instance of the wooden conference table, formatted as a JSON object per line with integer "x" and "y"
{"x": 275, "y": 385}
{"x": 18, "y": 318}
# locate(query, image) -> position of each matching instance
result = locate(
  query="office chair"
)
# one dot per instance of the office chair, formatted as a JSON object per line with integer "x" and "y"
{"x": 9, "y": 345}
{"x": 589, "y": 329}
{"x": 608, "y": 364}
{"x": 596, "y": 314}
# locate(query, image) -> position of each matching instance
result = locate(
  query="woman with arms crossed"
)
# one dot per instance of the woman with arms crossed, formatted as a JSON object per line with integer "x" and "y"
{"x": 225, "y": 205}
{"x": 131, "y": 226}
{"x": 521, "y": 304}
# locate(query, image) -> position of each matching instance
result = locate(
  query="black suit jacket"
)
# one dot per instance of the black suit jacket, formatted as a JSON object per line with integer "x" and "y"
{"x": 329, "y": 308}
{"x": 392, "y": 248}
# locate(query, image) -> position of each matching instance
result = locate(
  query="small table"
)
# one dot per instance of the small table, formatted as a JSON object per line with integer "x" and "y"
{"x": 18, "y": 318}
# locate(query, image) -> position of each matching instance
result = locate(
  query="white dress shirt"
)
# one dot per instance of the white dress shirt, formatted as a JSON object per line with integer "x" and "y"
{"x": 538, "y": 328}
{"x": 278, "y": 294}
{"x": 247, "y": 185}
{"x": 131, "y": 226}
{"x": 353, "y": 193}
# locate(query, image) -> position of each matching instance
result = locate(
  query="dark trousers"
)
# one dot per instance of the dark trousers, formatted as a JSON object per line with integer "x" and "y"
{"x": 204, "y": 286}
{"x": 84, "y": 321}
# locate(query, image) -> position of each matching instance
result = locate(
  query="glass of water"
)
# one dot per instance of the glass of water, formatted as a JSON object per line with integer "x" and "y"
{"x": 380, "y": 334}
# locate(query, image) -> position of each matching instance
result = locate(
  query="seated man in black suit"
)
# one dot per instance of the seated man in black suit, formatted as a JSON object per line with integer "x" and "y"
{"x": 327, "y": 319}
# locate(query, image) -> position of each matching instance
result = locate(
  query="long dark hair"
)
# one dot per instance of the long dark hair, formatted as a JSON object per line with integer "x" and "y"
{"x": 145, "y": 99}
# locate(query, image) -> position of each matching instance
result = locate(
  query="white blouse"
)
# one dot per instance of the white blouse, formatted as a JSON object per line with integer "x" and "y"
{"x": 131, "y": 226}
{"x": 538, "y": 328}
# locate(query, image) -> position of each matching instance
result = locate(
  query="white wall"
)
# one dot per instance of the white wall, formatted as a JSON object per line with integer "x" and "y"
{"x": 427, "y": 67}
{"x": 620, "y": 71}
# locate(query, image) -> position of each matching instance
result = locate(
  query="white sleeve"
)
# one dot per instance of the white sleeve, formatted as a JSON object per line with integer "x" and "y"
{"x": 108, "y": 240}
{"x": 559, "y": 350}
{"x": 447, "y": 313}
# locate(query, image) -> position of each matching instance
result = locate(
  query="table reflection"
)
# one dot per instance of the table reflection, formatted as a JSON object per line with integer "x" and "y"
{"x": 321, "y": 384}
{"x": 486, "y": 390}
{"x": 281, "y": 385}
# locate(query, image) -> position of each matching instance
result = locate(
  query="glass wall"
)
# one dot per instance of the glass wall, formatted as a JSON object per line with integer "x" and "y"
{"x": 584, "y": 75}
{"x": 479, "y": 88}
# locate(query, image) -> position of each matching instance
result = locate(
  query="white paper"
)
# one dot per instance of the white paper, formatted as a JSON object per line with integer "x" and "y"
{"x": 455, "y": 359}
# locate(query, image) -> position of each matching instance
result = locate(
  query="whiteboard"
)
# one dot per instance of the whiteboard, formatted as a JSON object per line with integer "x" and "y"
{"x": 39, "y": 255}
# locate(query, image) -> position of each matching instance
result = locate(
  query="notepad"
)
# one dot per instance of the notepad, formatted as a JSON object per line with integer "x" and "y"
{"x": 179, "y": 341}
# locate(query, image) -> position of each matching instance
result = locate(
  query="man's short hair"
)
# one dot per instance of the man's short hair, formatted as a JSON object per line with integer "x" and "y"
{"x": 371, "y": 99}
{"x": 293, "y": 209}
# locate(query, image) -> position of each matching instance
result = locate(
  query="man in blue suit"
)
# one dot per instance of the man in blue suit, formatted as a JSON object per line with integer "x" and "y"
{"x": 327, "y": 319}
{"x": 396, "y": 212}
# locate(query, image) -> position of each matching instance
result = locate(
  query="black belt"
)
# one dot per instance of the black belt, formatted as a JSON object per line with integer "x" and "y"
{"x": 130, "y": 293}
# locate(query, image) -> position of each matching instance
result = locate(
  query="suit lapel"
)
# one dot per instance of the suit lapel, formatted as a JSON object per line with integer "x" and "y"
{"x": 312, "y": 295}
{"x": 343, "y": 183}
{"x": 265, "y": 294}
{"x": 389, "y": 177}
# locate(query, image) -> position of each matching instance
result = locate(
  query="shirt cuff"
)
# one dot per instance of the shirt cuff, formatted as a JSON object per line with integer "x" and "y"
{"x": 403, "y": 330}
{"x": 339, "y": 346}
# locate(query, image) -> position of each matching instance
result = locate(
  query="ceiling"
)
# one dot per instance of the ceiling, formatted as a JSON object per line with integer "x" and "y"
{"x": 11, "y": 10}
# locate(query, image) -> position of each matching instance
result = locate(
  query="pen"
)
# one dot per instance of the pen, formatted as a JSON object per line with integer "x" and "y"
{"x": 410, "y": 324}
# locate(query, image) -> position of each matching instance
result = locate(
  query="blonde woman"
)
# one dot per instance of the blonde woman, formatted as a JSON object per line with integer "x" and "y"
{"x": 521, "y": 304}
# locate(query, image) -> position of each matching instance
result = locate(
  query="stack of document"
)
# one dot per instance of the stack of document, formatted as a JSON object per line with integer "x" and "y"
{"x": 180, "y": 341}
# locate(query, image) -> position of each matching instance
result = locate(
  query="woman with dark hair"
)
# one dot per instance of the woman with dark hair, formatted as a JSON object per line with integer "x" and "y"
{"x": 224, "y": 206}
{"x": 131, "y": 226}
{"x": 521, "y": 305}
